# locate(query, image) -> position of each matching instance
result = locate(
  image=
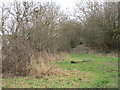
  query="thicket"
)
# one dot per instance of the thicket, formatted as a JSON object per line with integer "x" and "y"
{"x": 100, "y": 24}
{"x": 29, "y": 27}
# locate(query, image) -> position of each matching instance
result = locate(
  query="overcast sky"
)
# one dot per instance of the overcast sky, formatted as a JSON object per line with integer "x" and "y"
{"x": 66, "y": 5}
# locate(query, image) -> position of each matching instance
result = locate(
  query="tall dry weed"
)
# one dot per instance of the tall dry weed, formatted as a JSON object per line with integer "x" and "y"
{"x": 44, "y": 64}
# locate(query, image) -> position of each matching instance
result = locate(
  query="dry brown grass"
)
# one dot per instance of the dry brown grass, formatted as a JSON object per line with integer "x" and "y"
{"x": 43, "y": 64}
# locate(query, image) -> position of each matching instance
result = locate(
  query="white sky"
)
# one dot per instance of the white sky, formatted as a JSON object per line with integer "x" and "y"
{"x": 63, "y": 3}
{"x": 66, "y": 5}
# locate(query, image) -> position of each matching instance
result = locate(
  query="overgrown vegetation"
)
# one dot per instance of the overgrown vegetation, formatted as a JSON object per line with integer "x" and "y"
{"x": 100, "y": 24}
{"x": 36, "y": 35}
{"x": 101, "y": 72}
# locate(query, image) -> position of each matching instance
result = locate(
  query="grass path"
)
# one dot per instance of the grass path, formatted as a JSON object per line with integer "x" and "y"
{"x": 103, "y": 68}
{"x": 101, "y": 72}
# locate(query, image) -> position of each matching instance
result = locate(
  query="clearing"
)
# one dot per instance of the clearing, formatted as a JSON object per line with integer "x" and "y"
{"x": 101, "y": 72}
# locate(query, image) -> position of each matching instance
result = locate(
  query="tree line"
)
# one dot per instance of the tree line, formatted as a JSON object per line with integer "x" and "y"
{"x": 32, "y": 27}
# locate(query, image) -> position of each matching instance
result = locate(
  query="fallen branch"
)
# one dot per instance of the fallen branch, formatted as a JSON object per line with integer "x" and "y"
{"x": 45, "y": 72}
{"x": 80, "y": 61}
{"x": 49, "y": 69}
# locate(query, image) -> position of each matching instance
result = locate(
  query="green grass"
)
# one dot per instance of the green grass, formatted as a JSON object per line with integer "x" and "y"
{"x": 0, "y": 82}
{"x": 104, "y": 68}
{"x": 101, "y": 72}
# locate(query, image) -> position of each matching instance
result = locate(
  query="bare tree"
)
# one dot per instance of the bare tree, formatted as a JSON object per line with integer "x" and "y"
{"x": 99, "y": 23}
